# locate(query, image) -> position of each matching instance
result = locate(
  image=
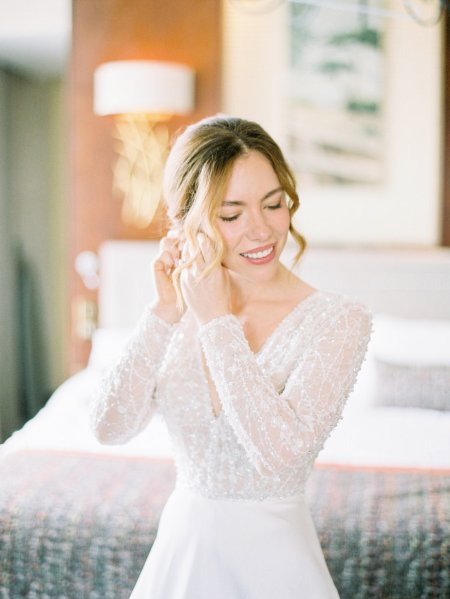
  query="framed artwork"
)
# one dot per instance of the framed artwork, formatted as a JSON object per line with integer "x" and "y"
{"x": 336, "y": 96}
{"x": 353, "y": 96}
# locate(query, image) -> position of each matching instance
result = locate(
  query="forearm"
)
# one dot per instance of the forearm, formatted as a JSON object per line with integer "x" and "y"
{"x": 280, "y": 428}
{"x": 124, "y": 401}
{"x": 248, "y": 398}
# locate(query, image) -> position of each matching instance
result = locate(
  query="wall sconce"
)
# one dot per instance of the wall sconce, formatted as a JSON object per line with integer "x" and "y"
{"x": 84, "y": 308}
{"x": 142, "y": 94}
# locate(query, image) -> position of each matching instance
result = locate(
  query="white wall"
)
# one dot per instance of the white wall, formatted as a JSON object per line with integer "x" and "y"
{"x": 255, "y": 55}
{"x": 405, "y": 209}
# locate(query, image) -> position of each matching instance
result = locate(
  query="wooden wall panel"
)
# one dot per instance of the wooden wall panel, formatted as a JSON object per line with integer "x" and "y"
{"x": 104, "y": 30}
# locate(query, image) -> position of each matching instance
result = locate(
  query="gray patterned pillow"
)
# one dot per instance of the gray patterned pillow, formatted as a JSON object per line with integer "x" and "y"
{"x": 412, "y": 386}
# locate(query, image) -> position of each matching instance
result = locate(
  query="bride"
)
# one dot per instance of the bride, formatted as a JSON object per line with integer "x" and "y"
{"x": 250, "y": 367}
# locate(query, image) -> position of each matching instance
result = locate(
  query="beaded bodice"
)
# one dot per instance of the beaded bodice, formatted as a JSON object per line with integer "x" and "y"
{"x": 278, "y": 405}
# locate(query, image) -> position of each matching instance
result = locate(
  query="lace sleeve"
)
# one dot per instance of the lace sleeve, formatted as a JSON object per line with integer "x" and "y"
{"x": 278, "y": 430}
{"x": 124, "y": 401}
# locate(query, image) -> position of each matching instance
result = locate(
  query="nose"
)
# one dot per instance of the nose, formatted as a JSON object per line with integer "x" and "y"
{"x": 258, "y": 228}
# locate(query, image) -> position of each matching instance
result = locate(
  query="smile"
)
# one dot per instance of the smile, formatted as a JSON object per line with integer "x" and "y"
{"x": 261, "y": 255}
{"x": 256, "y": 255}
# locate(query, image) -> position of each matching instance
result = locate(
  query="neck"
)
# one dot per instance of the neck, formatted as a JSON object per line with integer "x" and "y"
{"x": 244, "y": 291}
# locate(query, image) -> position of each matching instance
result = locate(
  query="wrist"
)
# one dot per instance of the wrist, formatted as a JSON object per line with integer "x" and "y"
{"x": 206, "y": 317}
{"x": 169, "y": 313}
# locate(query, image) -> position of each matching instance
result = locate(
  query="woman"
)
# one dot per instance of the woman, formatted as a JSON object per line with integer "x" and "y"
{"x": 249, "y": 365}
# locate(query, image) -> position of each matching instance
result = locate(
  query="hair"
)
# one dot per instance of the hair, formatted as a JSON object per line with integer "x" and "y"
{"x": 197, "y": 173}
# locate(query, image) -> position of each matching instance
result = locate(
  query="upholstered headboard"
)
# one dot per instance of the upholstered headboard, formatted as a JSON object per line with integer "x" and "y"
{"x": 412, "y": 283}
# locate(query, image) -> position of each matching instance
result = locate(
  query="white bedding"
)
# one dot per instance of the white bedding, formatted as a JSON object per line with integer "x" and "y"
{"x": 63, "y": 424}
{"x": 387, "y": 436}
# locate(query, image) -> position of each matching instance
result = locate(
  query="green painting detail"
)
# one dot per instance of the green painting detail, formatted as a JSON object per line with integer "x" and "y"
{"x": 365, "y": 35}
{"x": 336, "y": 99}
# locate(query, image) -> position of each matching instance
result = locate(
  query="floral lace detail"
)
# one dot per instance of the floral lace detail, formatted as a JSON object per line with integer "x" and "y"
{"x": 278, "y": 405}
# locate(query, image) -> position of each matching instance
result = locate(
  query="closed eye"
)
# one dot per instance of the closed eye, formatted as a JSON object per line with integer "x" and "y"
{"x": 278, "y": 204}
{"x": 228, "y": 219}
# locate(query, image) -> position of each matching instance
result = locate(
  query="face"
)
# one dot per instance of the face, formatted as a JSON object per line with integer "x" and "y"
{"x": 254, "y": 218}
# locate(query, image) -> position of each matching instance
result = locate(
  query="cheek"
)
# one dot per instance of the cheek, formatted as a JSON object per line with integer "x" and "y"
{"x": 283, "y": 220}
{"x": 230, "y": 234}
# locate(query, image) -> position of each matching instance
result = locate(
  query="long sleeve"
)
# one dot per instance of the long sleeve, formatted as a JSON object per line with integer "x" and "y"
{"x": 124, "y": 401}
{"x": 280, "y": 429}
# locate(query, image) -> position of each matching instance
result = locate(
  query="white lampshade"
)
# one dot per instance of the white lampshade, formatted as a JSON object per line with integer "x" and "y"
{"x": 143, "y": 86}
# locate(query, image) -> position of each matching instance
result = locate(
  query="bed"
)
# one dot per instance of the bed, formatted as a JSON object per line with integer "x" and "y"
{"x": 77, "y": 519}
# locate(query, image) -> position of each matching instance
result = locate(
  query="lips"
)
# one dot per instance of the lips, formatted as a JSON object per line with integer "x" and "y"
{"x": 260, "y": 255}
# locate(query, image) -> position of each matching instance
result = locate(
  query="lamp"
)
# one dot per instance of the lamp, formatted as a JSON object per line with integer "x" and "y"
{"x": 142, "y": 95}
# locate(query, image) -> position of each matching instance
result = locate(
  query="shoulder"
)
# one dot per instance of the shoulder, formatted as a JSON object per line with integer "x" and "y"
{"x": 336, "y": 303}
{"x": 344, "y": 311}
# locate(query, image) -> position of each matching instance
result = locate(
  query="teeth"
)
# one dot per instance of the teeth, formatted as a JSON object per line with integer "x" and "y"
{"x": 257, "y": 255}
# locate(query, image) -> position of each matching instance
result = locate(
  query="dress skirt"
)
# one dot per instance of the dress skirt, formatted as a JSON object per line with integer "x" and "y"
{"x": 228, "y": 549}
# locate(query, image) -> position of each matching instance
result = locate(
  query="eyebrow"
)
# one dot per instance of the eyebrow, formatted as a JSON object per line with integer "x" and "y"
{"x": 238, "y": 203}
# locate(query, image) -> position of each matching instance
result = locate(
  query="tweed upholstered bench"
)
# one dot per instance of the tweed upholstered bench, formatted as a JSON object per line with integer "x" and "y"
{"x": 80, "y": 526}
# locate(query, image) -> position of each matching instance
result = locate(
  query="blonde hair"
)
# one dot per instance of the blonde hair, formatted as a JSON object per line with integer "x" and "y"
{"x": 197, "y": 173}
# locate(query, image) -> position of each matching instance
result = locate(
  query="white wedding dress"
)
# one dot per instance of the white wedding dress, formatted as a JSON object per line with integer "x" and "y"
{"x": 237, "y": 525}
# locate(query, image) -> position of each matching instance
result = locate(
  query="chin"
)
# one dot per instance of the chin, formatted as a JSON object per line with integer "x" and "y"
{"x": 261, "y": 273}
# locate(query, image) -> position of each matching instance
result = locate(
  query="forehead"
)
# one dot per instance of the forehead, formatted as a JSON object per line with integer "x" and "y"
{"x": 251, "y": 177}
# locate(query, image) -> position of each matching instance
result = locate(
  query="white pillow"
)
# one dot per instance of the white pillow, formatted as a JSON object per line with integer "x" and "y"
{"x": 406, "y": 386}
{"x": 412, "y": 362}
{"x": 411, "y": 341}
{"x": 107, "y": 345}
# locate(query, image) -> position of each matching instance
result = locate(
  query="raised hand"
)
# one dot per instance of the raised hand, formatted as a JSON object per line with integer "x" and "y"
{"x": 165, "y": 306}
{"x": 207, "y": 296}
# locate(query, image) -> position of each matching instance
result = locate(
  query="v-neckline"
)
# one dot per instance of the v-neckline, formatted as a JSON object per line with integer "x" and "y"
{"x": 286, "y": 318}
{"x": 206, "y": 376}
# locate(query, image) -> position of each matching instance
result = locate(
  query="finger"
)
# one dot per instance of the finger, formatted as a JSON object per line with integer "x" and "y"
{"x": 175, "y": 236}
{"x": 193, "y": 257}
{"x": 168, "y": 244}
{"x": 176, "y": 230}
{"x": 206, "y": 247}
{"x": 165, "y": 262}
{"x": 172, "y": 247}
{"x": 185, "y": 252}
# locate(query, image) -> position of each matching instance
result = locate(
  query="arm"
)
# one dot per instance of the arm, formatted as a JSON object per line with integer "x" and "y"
{"x": 279, "y": 430}
{"x": 124, "y": 402}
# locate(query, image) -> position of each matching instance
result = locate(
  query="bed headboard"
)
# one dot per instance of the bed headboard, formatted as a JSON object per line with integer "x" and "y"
{"x": 413, "y": 283}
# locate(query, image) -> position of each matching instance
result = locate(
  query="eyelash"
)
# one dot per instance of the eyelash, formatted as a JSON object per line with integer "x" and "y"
{"x": 229, "y": 219}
